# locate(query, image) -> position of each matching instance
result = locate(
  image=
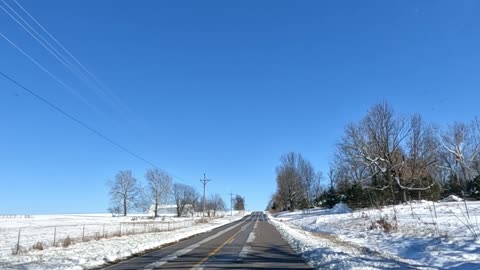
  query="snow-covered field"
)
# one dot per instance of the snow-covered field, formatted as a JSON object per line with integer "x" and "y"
{"x": 340, "y": 239}
{"x": 92, "y": 253}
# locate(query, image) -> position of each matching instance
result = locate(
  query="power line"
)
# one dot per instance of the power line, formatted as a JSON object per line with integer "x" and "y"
{"x": 44, "y": 69}
{"x": 40, "y": 39}
{"x": 83, "y": 124}
{"x": 89, "y": 79}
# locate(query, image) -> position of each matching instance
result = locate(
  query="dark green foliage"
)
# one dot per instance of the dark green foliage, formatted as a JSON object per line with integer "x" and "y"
{"x": 357, "y": 196}
{"x": 328, "y": 198}
{"x": 474, "y": 188}
{"x": 303, "y": 204}
{"x": 434, "y": 193}
{"x": 239, "y": 203}
{"x": 452, "y": 187}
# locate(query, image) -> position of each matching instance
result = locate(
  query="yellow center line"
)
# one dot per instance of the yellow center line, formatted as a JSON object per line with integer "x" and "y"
{"x": 229, "y": 240}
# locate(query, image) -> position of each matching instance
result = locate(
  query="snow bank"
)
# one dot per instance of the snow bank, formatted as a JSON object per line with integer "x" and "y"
{"x": 341, "y": 208}
{"x": 324, "y": 251}
{"x": 452, "y": 198}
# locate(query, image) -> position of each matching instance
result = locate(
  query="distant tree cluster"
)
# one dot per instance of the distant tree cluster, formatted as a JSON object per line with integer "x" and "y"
{"x": 127, "y": 194}
{"x": 386, "y": 159}
{"x": 297, "y": 183}
{"x": 239, "y": 203}
{"x": 214, "y": 204}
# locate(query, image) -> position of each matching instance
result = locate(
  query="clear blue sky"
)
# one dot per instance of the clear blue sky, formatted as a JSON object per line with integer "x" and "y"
{"x": 220, "y": 87}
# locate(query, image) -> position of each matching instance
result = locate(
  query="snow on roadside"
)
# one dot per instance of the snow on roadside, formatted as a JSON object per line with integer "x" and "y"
{"x": 324, "y": 251}
{"x": 96, "y": 253}
{"x": 339, "y": 241}
{"x": 452, "y": 198}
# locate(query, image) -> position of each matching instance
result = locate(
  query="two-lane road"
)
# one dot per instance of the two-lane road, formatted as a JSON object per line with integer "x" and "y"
{"x": 250, "y": 243}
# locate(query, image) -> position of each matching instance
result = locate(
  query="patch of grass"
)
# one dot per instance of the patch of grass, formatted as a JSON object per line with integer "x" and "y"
{"x": 67, "y": 242}
{"x": 384, "y": 224}
{"x": 38, "y": 246}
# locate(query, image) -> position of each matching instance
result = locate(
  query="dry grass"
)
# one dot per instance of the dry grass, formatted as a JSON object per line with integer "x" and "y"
{"x": 382, "y": 223}
{"x": 67, "y": 242}
{"x": 38, "y": 246}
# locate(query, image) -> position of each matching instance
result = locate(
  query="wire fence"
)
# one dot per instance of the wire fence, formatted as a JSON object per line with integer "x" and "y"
{"x": 12, "y": 216}
{"x": 19, "y": 240}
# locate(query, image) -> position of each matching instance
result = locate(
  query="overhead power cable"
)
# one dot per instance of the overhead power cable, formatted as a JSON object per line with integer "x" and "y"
{"x": 85, "y": 76}
{"x": 38, "y": 37}
{"x": 85, "y": 125}
{"x": 49, "y": 73}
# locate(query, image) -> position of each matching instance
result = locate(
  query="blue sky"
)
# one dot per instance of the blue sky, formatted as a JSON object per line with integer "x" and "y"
{"x": 220, "y": 87}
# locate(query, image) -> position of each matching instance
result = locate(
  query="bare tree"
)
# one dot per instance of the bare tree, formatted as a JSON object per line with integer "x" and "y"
{"x": 183, "y": 196}
{"x": 288, "y": 187}
{"x": 419, "y": 163}
{"x": 317, "y": 187}
{"x": 461, "y": 150}
{"x": 291, "y": 190}
{"x": 373, "y": 148}
{"x": 124, "y": 190}
{"x": 215, "y": 203}
{"x": 332, "y": 174}
{"x": 197, "y": 202}
{"x": 115, "y": 210}
{"x": 159, "y": 187}
{"x": 308, "y": 179}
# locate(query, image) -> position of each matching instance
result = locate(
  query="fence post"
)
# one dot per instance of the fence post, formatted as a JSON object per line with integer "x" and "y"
{"x": 18, "y": 241}
{"x": 133, "y": 231}
{"x": 144, "y": 227}
{"x": 434, "y": 209}
{"x": 465, "y": 202}
{"x": 120, "y": 229}
{"x": 83, "y": 233}
{"x": 54, "y": 235}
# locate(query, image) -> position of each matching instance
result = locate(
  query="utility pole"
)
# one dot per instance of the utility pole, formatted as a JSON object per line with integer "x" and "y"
{"x": 204, "y": 182}
{"x": 231, "y": 203}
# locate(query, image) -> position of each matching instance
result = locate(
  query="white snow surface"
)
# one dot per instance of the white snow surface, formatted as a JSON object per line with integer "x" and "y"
{"x": 330, "y": 240}
{"x": 94, "y": 253}
{"x": 452, "y": 198}
{"x": 341, "y": 208}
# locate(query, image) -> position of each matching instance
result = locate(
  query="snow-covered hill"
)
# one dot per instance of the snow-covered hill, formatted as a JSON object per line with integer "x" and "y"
{"x": 417, "y": 238}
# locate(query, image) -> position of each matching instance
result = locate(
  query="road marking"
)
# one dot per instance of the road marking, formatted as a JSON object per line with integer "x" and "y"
{"x": 246, "y": 248}
{"x": 200, "y": 265}
{"x": 186, "y": 250}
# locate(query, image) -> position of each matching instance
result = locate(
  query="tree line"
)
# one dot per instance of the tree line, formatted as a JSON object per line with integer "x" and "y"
{"x": 127, "y": 194}
{"x": 386, "y": 158}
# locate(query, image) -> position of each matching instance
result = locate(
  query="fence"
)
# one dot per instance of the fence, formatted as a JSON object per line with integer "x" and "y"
{"x": 23, "y": 239}
{"x": 12, "y": 216}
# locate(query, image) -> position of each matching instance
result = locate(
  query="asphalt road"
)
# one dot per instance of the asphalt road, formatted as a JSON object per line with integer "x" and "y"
{"x": 250, "y": 243}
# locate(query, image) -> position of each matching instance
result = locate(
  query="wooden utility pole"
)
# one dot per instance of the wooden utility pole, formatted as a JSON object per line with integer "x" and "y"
{"x": 204, "y": 181}
{"x": 231, "y": 204}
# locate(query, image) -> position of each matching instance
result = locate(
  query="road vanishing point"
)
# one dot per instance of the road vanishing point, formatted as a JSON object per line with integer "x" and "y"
{"x": 249, "y": 243}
